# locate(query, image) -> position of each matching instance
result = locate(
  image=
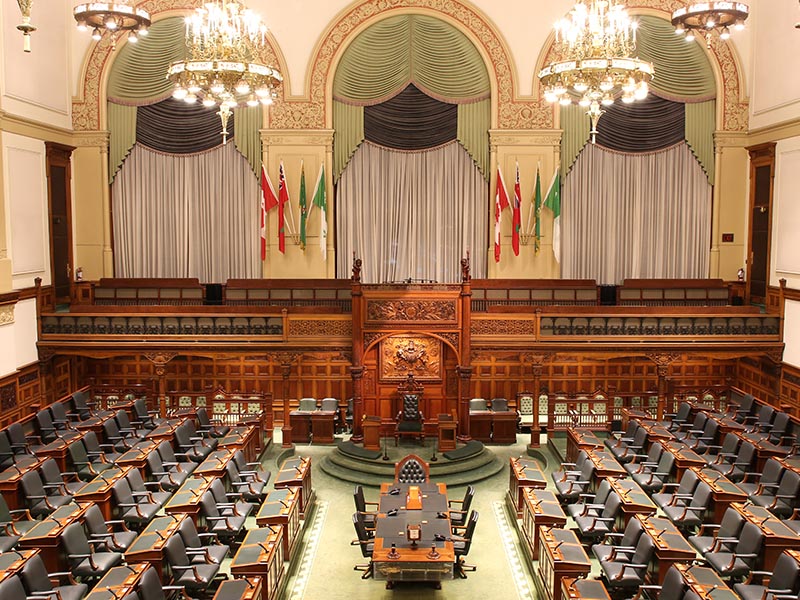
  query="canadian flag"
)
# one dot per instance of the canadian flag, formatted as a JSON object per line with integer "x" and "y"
{"x": 500, "y": 204}
{"x": 268, "y": 201}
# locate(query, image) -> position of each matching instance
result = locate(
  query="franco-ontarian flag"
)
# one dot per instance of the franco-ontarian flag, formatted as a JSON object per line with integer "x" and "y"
{"x": 553, "y": 201}
{"x": 320, "y": 201}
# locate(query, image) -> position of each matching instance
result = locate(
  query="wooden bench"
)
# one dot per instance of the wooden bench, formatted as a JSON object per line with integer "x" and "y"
{"x": 673, "y": 292}
{"x": 333, "y": 294}
{"x": 142, "y": 292}
{"x": 490, "y": 293}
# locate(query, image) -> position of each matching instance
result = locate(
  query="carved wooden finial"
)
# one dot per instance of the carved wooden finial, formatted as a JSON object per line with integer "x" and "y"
{"x": 465, "y": 276}
{"x": 356, "y": 269}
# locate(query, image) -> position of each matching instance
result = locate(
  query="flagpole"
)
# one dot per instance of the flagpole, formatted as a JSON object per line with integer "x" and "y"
{"x": 533, "y": 208}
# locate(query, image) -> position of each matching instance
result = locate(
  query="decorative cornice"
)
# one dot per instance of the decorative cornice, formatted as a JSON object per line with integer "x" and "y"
{"x": 731, "y": 139}
{"x": 298, "y": 137}
{"x": 6, "y": 314}
{"x": 91, "y": 139}
{"x": 524, "y": 137}
{"x": 31, "y": 128}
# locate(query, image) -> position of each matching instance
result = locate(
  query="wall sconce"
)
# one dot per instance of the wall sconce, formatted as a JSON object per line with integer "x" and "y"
{"x": 25, "y": 27}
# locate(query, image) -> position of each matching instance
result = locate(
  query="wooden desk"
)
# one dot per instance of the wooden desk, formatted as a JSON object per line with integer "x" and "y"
{"x": 685, "y": 457}
{"x": 706, "y": 583}
{"x": 95, "y": 424}
{"x": 323, "y": 425}
{"x": 581, "y": 439}
{"x": 605, "y": 466}
{"x": 540, "y": 509}
{"x": 282, "y": 507}
{"x": 725, "y": 422}
{"x": 11, "y": 477}
{"x": 394, "y": 558}
{"x": 296, "y": 472}
{"x": 671, "y": 546}
{"x": 777, "y": 535}
{"x": 634, "y": 413}
{"x": 561, "y": 555}
{"x": 300, "y": 422}
{"x": 244, "y": 438}
{"x": 98, "y": 490}
{"x": 248, "y": 588}
{"x": 634, "y": 499}
{"x": 480, "y": 426}
{"x": 11, "y": 563}
{"x": 136, "y": 457}
{"x": 655, "y": 431}
{"x": 59, "y": 450}
{"x": 524, "y": 473}
{"x": 261, "y": 555}
{"x": 46, "y": 535}
{"x": 583, "y": 589}
{"x": 723, "y": 491}
{"x": 187, "y": 498}
{"x": 148, "y": 547}
{"x": 504, "y": 427}
{"x": 165, "y": 431}
{"x": 118, "y": 582}
{"x": 447, "y": 435}
{"x": 215, "y": 464}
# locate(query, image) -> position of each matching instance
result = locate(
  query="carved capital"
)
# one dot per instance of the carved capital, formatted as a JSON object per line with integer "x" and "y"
{"x": 775, "y": 355}
{"x": 6, "y": 314}
{"x": 285, "y": 359}
{"x": 534, "y": 359}
{"x": 464, "y": 372}
{"x": 663, "y": 360}
{"x": 357, "y": 372}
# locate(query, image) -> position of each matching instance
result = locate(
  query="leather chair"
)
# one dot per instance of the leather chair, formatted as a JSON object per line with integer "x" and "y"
{"x": 55, "y": 481}
{"x": 761, "y": 422}
{"x": 622, "y": 572}
{"x": 626, "y": 452}
{"x": 47, "y": 428}
{"x": 121, "y": 441}
{"x": 411, "y": 469}
{"x": 15, "y": 522}
{"x": 37, "y": 582}
{"x": 695, "y": 428}
{"x": 701, "y": 442}
{"x": 641, "y": 463}
{"x": 148, "y": 418}
{"x": 769, "y": 477}
{"x": 458, "y": 518}
{"x": 478, "y": 405}
{"x": 171, "y": 461}
{"x": 362, "y": 505}
{"x": 7, "y": 455}
{"x": 86, "y": 468}
{"x": 169, "y": 479}
{"x": 195, "y": 577}
{"x": 626, "y": 437}
{"x": 151, "y": 491}
{"x": 784, "y": 581}
{"x": 194, "y": 448}
{"x": 215, "y": 428}
{"x": 590, "y": 504}
{"x": 329, "y": 405}
{"x": 739, "y": 562}
{"x": 410, "y": 421}
{"x": 248, "y": 489}
{"x": 592, "y": 527}
{"x": 570, "y": 484}
{"x": 229, "y": 503}
{"x": 682, "y": 493}
{"x": 726, "y": 452}
{"x": 103, "y": 531}
{"x": 200, "y": 552}
{"x": 679, "y": 417}
{"x": 21, "y": 442}
{"x": 307, "y": 405}
{"x": 365, "y": 543}
{"x": 713, "y": 538}
{"x": 619, "y": 544}
{"x": 252, "y": 471}
{"x": 226, "y": 526}
{"x": 499, "y": 405}
{"x": 690, "y": 515}
{"x": 652, "y": 479}
{"x": 135, "y": 428}
{"x": 152, "y": 588}
{"x": 99, "y": 452}
{"x": 737, "y": 466}
{"x": 781, "y": 501}
{"x": 61, "y": 418}
{"x": 673, "y": 588}
{"x": 39, "y": 501}
{"x": 84, "y": 562}
{"x": 86, "y": 407}
{"x": 462, "y": 544}
{"x": 135, "y": 513}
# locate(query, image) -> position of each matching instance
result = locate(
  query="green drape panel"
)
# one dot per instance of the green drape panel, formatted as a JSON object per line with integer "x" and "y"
{"x": 418, "y": 49}
{"x": 700, "y": 125}
{"x": 473, "y": 132}
{"x": 576, "y": 126}
{"x": 122, "y": 125}
{"x": 246, "y": 135}
{"x": 349, "y": 123}
{"x": 683, "y": 72}
{"x": 139, "y": 72}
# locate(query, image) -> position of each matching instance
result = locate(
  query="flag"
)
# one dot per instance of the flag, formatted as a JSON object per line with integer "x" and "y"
{"x": 320, "y": 201}
{"x": 283, "y": 199}
{"x": 268, "y": 201}
{"x": 500, "y": 204}
{"x": 516, "y": 211}
{"x": 303, "y": 214}
{"x": 537, "y": 206}
{"x": 553, "y": 201}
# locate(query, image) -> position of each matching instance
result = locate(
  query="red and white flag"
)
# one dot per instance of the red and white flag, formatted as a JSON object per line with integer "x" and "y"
{"x": 516, "y": 211}
{"x": 283, "y": 199}
{"x": 500, "y": 204}
{"x": 268, "y": 201}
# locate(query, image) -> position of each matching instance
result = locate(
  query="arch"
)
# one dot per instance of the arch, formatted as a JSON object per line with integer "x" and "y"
{"x": 732, "y": 106}
{"x": 372, "y": 343}
{"x": 88, "y": 110}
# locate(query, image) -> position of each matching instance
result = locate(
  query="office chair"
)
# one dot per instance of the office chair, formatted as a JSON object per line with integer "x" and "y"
{"x": 307, "y": 405}
{"x": 171, "y": 461}
{"x": 739, "y": 562}
{"x": 39, "y": 501}
{"x": 625, "y": 573}
{"x": 99, "y": 452}
{"x": 192, "y": 445}
{"x": 461, "y": 546}
{"x": 126, "y": 426}
{"x": 17, "y": 521}
{"x": 593, "y": 527}
{"x": 213, "y": 551}
{"x": 570, "y": 484}
{"x": 683, "y": 491}
{"x": 62, "y": 419}
{"x": 206, "y": 425}
{"x": 169, "y": 479}
{"x": 227, "y": 526}
{"x": 619, "y": 545}
{"x": 712, "y": 537}
{"x": 103, "y": 531}
{"x": 148, "y": 418}
{"x": 86, "y": 468}
{"x": 679, "y": 417}
{"x": 223, "y": 500}
{"x": 85, "y": 562}
{"x": 135, "y": 513}
{"x": 151, "y": 491}
{"x": 643, "y": 463}
{"x": 652, "y": 479}
{"x": 152, "y": 588}
{"x": 122, "y": 441}
{"x": 195, "y": 577}
{"x": 365, "y": 543}
{"x": 55, "y": 481}
{"x": 673, "y": 588}
{"x": 499, "y": 405}
{"x": 690, "y": 515}
{"x": 590, "y": 504}
{"x": 361, "y": 506}
{"x": 781, "y": 501}
{"x": 250, "y": 471}
{"x": 458, "y": 518}
{"x": 248, "y": 489}
{"x": 412, "y": 469}
{"x": 21, "y": 443}
{"x": 38, "y": 582}
{"x": 784, "y": 581}
{"x": 736, "y": 465}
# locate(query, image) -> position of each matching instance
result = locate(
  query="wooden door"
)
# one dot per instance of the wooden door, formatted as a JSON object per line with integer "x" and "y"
{"x": 59, "y": 192}
{"x": 762, "y": 173}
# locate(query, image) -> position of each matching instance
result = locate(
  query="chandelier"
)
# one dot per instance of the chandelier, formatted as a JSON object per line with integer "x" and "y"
{"x": 596, "y": 43}
{"x": 115, "y": 17}
{"x": 223, "y": 40}
{"x": 705, "y": 17}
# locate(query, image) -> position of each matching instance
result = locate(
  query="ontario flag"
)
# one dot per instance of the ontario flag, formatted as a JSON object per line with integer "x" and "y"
{"x": 516, "y": 211}
{"x": 283, "y": 199}
{"x": 500, "y": 204}
{"x": 268, "y": 201}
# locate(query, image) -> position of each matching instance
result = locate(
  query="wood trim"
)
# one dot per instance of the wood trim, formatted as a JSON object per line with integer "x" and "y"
{"x": 760, "y": 155}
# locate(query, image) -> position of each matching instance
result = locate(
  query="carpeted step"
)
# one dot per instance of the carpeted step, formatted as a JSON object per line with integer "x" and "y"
{"x": 471, "y": 448}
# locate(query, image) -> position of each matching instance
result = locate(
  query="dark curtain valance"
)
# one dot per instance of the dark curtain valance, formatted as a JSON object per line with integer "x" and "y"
{"x": 178, "y": 128}
{"x": 411, "y": 121}
{"x": 644, "y": 126}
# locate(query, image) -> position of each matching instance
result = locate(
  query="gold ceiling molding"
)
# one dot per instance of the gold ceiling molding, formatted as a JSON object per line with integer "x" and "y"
{"x": 6, "y": 314}
{"x": 86, "y": 108}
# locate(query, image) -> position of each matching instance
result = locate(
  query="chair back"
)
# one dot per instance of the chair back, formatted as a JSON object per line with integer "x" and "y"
{"x": 59, "y": 412}
{"x": 34, "y": 576}
{"x": 307, "y": 404}
{"x": 499, "y": 404}
{"x": 773, "y": 470}
{"x": 45, "y": 423}
{"x": 468, "y": 495}
{"x": 75, "y": 542}
{"x": 674, "y": 585}
{"x": 785, "y": 574}
{"x": 363, "y": 536}
{"x": 95, "y": 521}
{"x": 478, "y": 405}
{"x": 329, "y": 405}
{"x": 644, "y": 550}
{"x": 632, "y": 533}
{"x": 411, "y": 408}
{"x": 12, "y": 587}
{"x": 412, "y": 469}
{"x": 750, "y": 541}
{"x": 189, "y": 535}
{"x": 730, "y": 443}
{"x": 359, "y": 500}
{"x": 688, "y": 482}
{"x": 731, "y": 524}
{"x": 150, "y": 585}
{"x": 91, "y": 442}
{"x": 469, "y": 532}
{"x": 32, "y": 484}
{"x": 50, "y": 472}
{"x": 202, "y": 417}
{"x": 175, "y": 552}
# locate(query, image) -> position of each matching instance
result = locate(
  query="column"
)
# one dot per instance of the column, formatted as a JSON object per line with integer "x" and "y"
{"x": 357, "y": 373}
{"x": 286, "y": 430}
{"x": 464, "y": 384}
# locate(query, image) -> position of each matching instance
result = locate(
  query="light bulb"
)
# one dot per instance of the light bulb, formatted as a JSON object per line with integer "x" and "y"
{"x": 179, "y": 93}
{"x": 559, "y": 90}
{"x": 689, "y": 36}
{"x": 242, "y": 87}
{"x": 193, "y": 87}
{"x": 252, "y": 101}
{"x": 580, "y": 86}
{"x": 262, "y": 90}
{"x": 550, "y": 96}
{"x": 641, "y": 91}
{"x": 190, "y": 99}
{"x": 208, "y": 102}
{"x": 565, "y": 101}
{"x": 96, "y": 35}
{"x": 606, "y": 85}
{"x": 217, "y": 87}
{"x": 585, "y": 101}
{"x": 725, "y": 34}
{"x": 739, "y": 25}
{"x": 629, "y": 85}
{"x": 111, "y": 23}
{"x": 82, "y": 26}
{"x": 710, "y": 23}
{"x": 132, "y": 37}
{"x": 607, "y": 100}
{"x": 679, "y": 30}
{"x": 627, "y": 98}
{"x": 266, "y": 100}
{"x": 143, "y": 30}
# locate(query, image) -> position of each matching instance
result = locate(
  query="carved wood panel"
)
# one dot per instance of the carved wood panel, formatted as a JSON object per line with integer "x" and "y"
{"x": 417, "y": 354}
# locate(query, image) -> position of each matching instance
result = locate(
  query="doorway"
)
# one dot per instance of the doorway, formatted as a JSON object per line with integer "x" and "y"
{"x": 762, "y": 173}
{"x": 59, "y": 194}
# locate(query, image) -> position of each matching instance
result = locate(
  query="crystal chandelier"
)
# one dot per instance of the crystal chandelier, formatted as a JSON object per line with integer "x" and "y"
{"x": 705, "y": 17}
{"x": 115, "y": 17}
{"x": 223, "y": 40}
{"x": 596, "y": 43}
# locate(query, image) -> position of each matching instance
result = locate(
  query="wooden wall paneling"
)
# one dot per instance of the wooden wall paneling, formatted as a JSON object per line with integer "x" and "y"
{"x": 790, "y": 389}
{"x": 757, "y": 377}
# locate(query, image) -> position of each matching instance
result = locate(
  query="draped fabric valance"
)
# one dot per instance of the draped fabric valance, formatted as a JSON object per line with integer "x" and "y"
{"x": 138, "y": 78}
{"x": 650, "y": 124}
{"x": 417, "y": 50}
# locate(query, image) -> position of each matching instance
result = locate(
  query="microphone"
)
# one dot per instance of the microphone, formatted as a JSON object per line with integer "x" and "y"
{"x": 392, "y": 513}
{"x": 558, "y": 545}
{"x": 394, "y": 491}
{"x": 263, "y": 547}
{"x": 441, "y": 515}
{"x": 284, "y": 504}
{"x": 158, "y": 533}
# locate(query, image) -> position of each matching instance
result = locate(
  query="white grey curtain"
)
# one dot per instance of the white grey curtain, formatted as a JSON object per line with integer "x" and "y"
{"x": 192, "y": 215}
{"x": 636, "y": 215}
{"x": 411, "y": 214}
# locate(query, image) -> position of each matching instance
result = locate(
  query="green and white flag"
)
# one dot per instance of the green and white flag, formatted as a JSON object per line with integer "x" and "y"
{"x": 320, "y": 201}
{"x": 303, "y": 209}
{"x": 553, "y": 201}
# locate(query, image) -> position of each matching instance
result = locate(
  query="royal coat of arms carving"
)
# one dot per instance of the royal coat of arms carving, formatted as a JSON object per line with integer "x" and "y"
{"x": 404, "y": 354}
